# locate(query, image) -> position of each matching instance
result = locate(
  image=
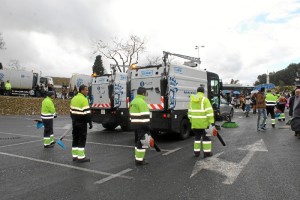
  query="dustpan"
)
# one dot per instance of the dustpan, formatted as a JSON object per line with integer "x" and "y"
{"x": 39, "y": 123}
{"x": 59, "y": 140}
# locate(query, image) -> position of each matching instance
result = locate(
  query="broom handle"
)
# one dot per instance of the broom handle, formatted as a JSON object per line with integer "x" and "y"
{"x": 65, "y": 133}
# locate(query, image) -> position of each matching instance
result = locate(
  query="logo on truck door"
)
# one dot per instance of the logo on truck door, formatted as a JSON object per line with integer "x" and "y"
{"x": 143, "y": 84}
{"x": 146, "y": 73}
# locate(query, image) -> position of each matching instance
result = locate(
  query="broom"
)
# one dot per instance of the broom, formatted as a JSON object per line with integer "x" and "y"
{"x": 60, "y": 142}
{"x": 229, "y": 123}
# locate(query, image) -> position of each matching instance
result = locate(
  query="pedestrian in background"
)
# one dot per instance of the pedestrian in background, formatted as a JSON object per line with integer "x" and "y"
{"x": 270, "y": 107}
{"x": 248, "y": 103}
{"x": 140, "y": 123}
{"x": 47, "y": 114}
{"x": 281, "y": 106}
{"x": 253, "y": 99}
{"x": 261, "y": 109}
{"x": 201, "y": 116}
{"x": 8, "y": 88}
{"x": 295, "y": 107}
{"x": 81, "y": 115}
{"x": 2, "y": 88}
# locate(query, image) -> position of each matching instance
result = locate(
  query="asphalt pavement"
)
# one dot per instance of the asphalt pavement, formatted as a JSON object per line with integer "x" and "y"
{"x": 252, "y": 165}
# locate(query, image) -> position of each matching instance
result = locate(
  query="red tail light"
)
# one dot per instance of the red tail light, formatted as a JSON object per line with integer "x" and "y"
{"x": 165, "y": 116}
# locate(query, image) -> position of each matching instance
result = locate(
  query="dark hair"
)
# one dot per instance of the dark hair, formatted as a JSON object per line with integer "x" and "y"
{"x": 200, "y": 89}
{"x": 262, "y": 89}
{"x": 81, "y": 88}
{"x": 141, "y": 91}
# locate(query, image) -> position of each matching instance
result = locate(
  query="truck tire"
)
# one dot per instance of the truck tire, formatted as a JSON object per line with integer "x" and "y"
{"x": 185, "y": 129}
{"x": 109, "y": 126}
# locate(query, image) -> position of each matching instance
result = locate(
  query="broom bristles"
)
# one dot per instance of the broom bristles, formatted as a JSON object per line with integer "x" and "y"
{"x": 230, "y": 125}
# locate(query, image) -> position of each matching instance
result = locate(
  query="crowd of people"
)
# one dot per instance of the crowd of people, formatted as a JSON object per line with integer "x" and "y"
{"x": 266, "y": 103}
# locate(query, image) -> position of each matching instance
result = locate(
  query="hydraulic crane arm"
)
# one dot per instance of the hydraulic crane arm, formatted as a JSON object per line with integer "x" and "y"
{"x": 193, "y": 59}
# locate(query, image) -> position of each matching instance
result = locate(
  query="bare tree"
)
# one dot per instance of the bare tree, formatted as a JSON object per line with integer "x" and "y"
{"x": 234, "y": 81}
{"x": 123, "y": 52}
{"x": 2, "y": 43}
{"x": 15, "y": 64}
{"x": 154, "y": 60}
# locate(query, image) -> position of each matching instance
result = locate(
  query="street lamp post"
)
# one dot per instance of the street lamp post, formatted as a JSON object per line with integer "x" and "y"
{"x": 197, "y": 48}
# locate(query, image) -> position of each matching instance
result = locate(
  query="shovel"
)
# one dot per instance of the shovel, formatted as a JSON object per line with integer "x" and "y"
{"x": 60, "y": 142}
{"x": 39, "y": 123}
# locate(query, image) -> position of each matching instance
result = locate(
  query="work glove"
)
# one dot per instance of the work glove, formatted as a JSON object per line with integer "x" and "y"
{"x": 90, "y": 125}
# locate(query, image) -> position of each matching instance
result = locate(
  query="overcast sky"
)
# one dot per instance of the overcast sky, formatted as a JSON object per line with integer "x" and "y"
{"x": 242, "y": 38}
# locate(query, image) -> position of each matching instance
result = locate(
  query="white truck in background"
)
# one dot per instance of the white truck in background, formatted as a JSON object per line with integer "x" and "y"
{"x": 77, "y": 80}
{"x": 21, "y": 80}
{"x": 25, "y": 82}
{"x": 169, "y": 87}
{"x": 109, "y": 105}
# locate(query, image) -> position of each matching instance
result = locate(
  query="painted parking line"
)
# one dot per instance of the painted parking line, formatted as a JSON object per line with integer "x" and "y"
{"x": 21, "y": 135}
{"x": 171, "y": 151}
{"x": 113, "y": 176}
{"x": 168, "y": 151}
{"x": 118, "y": 175}
{"x": 17, "y": 144}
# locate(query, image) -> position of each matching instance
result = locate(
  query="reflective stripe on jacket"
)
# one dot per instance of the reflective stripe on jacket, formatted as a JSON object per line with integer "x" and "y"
{"x": 139, "y": 111}
{"x": 48, "y": 109}
{"x": 80, "y": 109}
{"x": 271, "y": 99}
{"x": 200, "y": 111}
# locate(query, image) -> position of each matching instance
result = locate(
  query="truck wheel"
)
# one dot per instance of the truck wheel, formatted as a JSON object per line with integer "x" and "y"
{"x": 109, "y": 126}
{"x": 185, "y": 128}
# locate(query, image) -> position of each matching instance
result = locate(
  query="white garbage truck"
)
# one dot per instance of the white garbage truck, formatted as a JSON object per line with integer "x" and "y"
{"x": 169, "y": 87}
{"x": 109, "y": 105}
{"x": 21, "y": 81}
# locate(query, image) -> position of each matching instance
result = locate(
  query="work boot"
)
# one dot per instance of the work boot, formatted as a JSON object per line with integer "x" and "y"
{"x": 75, "y": 158}
{"x": 283, "y": 119}
{"x": 197, "y": 154}
{"x": 263, "y": 127}
{"x": 207, "y": 154}
{"x": 49, "y": 146}
{"x": 140, "y": 163}
{"x": 82, "y": 160}
{"x": 273, "y": 125}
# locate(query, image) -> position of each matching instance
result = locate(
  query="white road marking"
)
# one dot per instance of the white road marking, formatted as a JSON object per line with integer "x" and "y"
{"x": 67, "y": 166}
{"x": 229, "y": 169}
{"x": 9, "y": 145}
{"x": 171, "y": 151}
{"x": 21, "y": 135}
{"x": 99, "y": 143}
{"x": 113, "y": 176}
